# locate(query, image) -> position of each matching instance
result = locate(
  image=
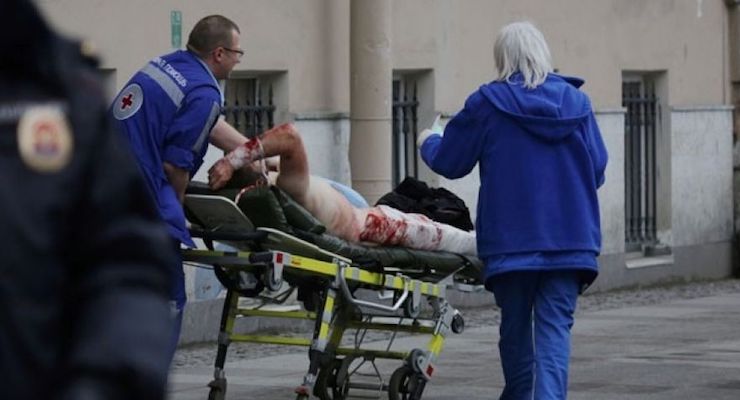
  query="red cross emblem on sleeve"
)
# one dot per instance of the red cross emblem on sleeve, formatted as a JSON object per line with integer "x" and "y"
{"x": 126, "y": 101}
{"x": 129, "y": 101}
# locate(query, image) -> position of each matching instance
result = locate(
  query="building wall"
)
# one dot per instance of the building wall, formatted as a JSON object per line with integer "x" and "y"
{"x": 611, "y": 194}
{"x": 450, "y": 43}
{"x": 702, "y": 175}
{"x": 592, "y": 39}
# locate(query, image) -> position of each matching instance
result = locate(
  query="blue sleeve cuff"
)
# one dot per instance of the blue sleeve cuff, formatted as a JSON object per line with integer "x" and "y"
{"x": 429, "y": 148}
{"x": 179, "y": 157}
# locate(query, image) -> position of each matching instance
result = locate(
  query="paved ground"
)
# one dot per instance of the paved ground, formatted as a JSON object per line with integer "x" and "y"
{"x": 675, "y": 343}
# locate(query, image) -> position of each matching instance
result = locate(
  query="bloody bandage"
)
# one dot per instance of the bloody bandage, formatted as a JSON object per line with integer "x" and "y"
{"x": 246, "y": 153}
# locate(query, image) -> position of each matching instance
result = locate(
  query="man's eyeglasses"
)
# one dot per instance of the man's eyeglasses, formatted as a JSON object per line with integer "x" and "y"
{"x": 239, "y": 52}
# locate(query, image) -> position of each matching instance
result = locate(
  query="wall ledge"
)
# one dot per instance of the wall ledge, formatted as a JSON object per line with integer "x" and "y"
{"x": 703, "y": 108}
{"x": 320, "y": 116}
{"x": 604, "y": 111}
{"x": 645, "y": 262}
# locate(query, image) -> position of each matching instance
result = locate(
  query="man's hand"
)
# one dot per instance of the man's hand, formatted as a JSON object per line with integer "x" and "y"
{"x": 178, "y": 178}
{"x": 220, "y": 173}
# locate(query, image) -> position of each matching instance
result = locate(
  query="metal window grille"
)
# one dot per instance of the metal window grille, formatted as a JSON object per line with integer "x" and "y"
{"x": 405, "y": 108}
{"x": 248, "y": 107}
{"x": 640, "y": 132}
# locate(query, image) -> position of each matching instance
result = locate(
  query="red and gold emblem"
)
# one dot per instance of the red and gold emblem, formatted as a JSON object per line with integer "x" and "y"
{"x": 44, "y": 139}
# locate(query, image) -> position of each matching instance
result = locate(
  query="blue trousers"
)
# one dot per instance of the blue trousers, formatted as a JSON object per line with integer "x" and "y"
{"x": 536, "y": 317}
{"x": 177, "y": 301}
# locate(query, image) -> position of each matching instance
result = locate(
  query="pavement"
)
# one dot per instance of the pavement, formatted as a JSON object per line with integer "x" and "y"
{"x": 680, "y": 349}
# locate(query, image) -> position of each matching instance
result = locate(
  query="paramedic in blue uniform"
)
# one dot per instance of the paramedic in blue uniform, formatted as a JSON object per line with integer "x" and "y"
{"x": 85, "y": 273}
{"x": 167, "y": 111}
{"x": 541, "y": 159}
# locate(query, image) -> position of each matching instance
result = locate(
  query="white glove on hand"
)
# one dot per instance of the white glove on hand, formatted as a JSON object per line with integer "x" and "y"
{"x": 436, "y": 126}
{"x": 436, "y": 129}
{"x": 423, "y": 136}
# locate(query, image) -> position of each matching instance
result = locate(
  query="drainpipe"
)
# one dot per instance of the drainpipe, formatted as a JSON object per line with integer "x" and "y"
{"x": 733, "y": 11}
{"x": 370, "y": 97}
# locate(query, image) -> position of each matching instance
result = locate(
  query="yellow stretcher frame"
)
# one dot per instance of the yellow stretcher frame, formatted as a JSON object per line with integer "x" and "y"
{"x": 328, "y": 375}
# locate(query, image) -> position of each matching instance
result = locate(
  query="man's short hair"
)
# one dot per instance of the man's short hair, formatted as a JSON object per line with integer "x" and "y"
{"x": 210, "y": 33}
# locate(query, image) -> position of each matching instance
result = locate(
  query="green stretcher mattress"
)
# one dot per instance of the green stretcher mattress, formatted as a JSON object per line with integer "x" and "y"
{"x": 290, "y": 227}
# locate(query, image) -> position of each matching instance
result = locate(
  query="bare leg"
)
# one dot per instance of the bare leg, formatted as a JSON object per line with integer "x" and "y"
{"x": 388, "y": 226}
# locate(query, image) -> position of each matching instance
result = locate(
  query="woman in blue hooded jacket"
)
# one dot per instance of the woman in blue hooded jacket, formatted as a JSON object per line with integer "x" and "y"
{"x": 541, "y": 159}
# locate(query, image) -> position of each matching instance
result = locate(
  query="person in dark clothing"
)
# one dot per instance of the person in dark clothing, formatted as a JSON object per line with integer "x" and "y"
{"x": 84, "y": 310}
{"x": 541, "y": 159}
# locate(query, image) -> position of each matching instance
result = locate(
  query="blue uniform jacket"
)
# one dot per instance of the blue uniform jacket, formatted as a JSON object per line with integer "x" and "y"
{"x": 541, "y": 159}
{"x": 167, "y": 111}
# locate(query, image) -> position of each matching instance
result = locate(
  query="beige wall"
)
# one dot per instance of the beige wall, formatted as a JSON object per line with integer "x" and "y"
{"x": 592, "y": 39}
{"x": 309, "y": 38}
{"x": 302, "y": 37}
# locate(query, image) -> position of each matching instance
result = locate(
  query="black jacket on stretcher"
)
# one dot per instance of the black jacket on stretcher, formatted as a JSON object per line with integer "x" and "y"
{"x": 83, "y": 258}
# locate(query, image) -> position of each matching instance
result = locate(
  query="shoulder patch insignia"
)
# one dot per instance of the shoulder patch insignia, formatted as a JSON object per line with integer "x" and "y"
{"x": 128, "y": 102}
{"x": 44, "y": 139}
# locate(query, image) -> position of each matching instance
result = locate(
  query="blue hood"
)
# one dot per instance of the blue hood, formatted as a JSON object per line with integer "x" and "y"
{"x": 550, "y": 111}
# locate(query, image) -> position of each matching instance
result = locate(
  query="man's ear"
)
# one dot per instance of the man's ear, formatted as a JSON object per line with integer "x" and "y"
{"x": 218, "y": 54}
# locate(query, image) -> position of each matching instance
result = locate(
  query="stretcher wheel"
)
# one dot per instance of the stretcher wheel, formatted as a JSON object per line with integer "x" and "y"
{"x": 416, "y": 359}
{"x": 271, "y": 282}
{"x": 218, "y": 389}
{"x": 332, "y": 383}
{"x": 411, "y": 311}
{"x": 405, "y": 384}
{"x": 458, "y": 324}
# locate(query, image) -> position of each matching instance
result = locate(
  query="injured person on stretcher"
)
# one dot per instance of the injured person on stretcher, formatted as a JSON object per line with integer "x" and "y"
{"x": 381, "y": 225}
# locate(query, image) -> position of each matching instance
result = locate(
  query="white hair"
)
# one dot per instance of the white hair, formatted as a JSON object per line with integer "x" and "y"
{"x": 521, "y": 47}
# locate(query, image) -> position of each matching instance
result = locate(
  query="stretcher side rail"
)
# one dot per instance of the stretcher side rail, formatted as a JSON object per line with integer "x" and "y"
{"x": 216, "y": 235}
{"x": 352, "y": 299}
{"x": 297, "y": 263}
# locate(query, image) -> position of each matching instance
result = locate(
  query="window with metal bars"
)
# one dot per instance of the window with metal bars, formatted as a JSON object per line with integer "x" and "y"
{"x": 249, "y": 105}
{"x": 405, "y": 121}
{"x": 640, "y": 153}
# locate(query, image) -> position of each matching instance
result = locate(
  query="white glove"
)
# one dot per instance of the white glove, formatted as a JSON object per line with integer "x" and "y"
{"x": 436, "y": 129}
{"x": 423, "y": 136}
{"x": 436, "y": 126}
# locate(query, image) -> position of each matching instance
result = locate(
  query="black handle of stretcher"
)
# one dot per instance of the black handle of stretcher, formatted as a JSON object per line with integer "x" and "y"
{"x": 233, "y": 236}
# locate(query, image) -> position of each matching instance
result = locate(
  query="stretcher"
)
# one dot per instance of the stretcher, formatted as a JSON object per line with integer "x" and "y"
{"x": 282, "y": 249}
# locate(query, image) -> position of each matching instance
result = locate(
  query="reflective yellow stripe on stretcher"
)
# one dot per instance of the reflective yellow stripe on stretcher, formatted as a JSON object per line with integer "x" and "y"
{"x": 241, "y": 258}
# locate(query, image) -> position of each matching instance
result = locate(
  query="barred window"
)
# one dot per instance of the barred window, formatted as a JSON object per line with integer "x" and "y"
{"x": 640, "y": 154}
{"x": 249, "y": 105}
{"x": 405, "y": 120}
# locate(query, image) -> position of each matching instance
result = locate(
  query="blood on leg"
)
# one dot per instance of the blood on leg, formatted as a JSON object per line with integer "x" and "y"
{"x": 387, "y": 226}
